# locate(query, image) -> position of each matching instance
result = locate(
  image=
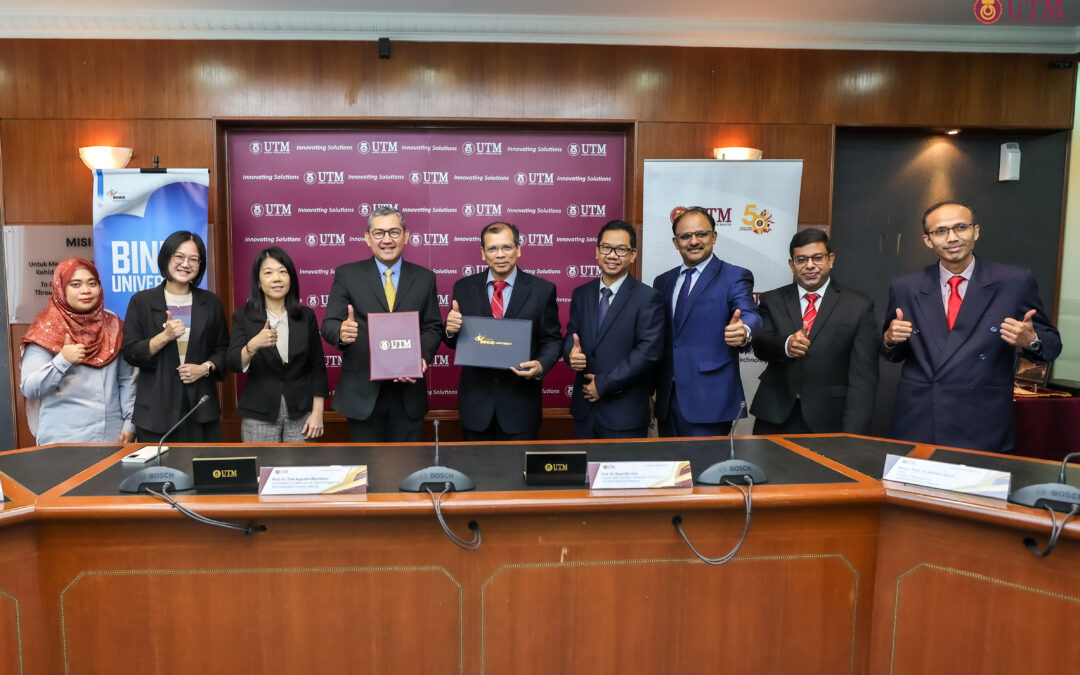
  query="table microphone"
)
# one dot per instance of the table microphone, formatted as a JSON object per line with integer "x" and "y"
{"x": 733, "y": 469}
{"x": 437, "y": 477}
{"x": 1059, "y": 496}
{"x": 156, "y": 476}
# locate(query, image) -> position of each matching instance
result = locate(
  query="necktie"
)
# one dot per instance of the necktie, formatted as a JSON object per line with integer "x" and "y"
{"x": 497, "y": 299}
{"x": 681, "y": 303}
{"x": 811, "y": 312}
{"x": 605, "y": 305}
{"x": 954, "y": 300}
{"x": 391, "y": 294}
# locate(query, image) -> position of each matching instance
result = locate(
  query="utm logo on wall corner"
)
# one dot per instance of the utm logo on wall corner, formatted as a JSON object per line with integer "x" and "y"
{"x": 987, "y": 11}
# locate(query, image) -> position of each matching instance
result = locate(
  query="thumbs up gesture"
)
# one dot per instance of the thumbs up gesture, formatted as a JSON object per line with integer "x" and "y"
{"x": 73, "y": 353}
{"x": 798, "y": 343}
{"x": 349, "y": 330}
{"x": 267, "y": 337}
{"x": 899, "y": 330}
{"x": 735, "y": 331}
{"x": 1019, "y": 333}
{"x": 173, "y": 329}
{"x": 577, "y": 357}
{"x": 453, "y": 319}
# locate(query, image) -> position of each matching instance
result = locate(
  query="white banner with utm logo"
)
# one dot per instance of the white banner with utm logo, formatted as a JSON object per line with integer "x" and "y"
{"x": 756, "y": 207}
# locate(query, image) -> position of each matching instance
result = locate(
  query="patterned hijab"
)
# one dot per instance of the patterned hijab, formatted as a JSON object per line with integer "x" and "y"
{"x": 59, "y": 324}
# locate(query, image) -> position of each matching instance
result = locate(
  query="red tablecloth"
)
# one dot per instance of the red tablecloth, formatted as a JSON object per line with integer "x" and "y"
{"x": 1047, "y": 428}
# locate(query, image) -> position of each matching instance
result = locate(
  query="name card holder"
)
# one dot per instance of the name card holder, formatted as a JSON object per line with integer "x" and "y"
{"x": 313, "y": 480}
{"x": 640, "y": 475}
{"x": 967, "y": 480}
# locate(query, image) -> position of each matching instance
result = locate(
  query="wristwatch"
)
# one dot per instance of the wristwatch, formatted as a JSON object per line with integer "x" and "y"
{"x": 1035, "y": 347}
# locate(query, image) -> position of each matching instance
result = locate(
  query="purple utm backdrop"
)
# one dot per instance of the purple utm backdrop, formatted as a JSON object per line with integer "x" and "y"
{"x": 310, "y": 192}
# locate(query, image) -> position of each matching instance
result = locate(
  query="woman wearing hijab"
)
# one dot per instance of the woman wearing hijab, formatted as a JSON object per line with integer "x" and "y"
{"x": 175, "y": 335}
{"x": 71, "y": 376}
{"x": 276, "y": 342}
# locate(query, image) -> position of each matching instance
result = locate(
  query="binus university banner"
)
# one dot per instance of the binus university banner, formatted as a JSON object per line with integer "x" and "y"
{"x": 134, "y": 211}
{"x": 311, "y": 191}
{"x": 756, "y": 207}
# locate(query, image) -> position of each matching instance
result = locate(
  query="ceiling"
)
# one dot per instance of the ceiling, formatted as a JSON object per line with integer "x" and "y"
{"x": 1039, "y": 26}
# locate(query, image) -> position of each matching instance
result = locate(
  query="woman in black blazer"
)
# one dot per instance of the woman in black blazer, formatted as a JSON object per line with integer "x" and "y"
{"x": 176, "y": 335}
{"x": 276, "y": 342}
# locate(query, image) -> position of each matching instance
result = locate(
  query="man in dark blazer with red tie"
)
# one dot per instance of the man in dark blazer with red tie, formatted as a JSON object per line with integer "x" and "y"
{"x": 819, "y": 340}
{"x": 505, "y": 405}
{"x": 614, "y": 340}
{"x": 958, "y": 326}
{"x": 711, "y": 317}
{"x": 381, "y": 411}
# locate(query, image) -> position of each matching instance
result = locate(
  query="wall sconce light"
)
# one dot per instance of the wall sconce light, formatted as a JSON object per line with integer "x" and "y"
{"x": 736, "y": 153}
{"x": 104, "y": 157}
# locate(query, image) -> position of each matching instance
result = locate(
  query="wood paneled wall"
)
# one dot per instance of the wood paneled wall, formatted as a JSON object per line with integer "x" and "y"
{"x": 171, "y": 98}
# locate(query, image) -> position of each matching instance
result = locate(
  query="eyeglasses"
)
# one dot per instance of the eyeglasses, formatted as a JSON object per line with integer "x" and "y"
{"x": 494, "y": 250}
{"x": 802, "y": 260}
{"x": 942, "y": 232}
{"x": 700, "y": 234}
{"x": 379, "y": 235}
{"x": 180, "y": 259}
{"x": 607, "y": 249}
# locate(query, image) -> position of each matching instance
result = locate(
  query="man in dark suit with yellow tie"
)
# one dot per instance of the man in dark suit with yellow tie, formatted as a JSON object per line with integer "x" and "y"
{"x": 505, "y": 405}
{"x": 390, "y": 411}
{"x": 819, "y": 339}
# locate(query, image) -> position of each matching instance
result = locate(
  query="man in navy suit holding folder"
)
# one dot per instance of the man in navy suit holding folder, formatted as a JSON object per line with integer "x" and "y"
{"x": 711, "y": 318}
{"x": 957, "y": 326}
{"x": 614, "y": 340}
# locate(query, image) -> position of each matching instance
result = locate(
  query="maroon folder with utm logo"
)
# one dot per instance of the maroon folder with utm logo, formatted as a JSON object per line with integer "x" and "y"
{"x": 394, "y": 341}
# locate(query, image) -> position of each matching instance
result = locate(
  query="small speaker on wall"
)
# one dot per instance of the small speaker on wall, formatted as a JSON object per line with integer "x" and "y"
{"x": 384, "y": 48}
{"x": 1009, "y": 167}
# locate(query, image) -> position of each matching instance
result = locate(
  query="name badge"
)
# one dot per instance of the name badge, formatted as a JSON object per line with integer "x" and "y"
{"x": 638, "y": 475}
{"x": 313, "y": 480}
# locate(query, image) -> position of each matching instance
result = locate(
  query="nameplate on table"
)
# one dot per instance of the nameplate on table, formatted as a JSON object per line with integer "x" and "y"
{"x": 493, "y": 343}
{"x": 394, "y": 345}
{"x": 969, "y": 480}
{"x": 225, "y": 474}
{"x": 558, "y": 467}
{"x": 639, "y": 475}
{"x": 313, "y": 480}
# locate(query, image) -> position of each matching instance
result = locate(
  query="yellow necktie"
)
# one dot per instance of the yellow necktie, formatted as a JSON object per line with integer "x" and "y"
{"x": 391, "y": 294}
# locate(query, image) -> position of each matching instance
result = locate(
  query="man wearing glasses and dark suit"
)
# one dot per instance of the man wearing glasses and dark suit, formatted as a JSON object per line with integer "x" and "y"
{"x": 613, "y": 341}
{"x": 711, "y": 318}
{"x": 505, "y": 405}
{"x": 820, "y": 341}
{"x": 381, "y": 411}
{"x": 958, "y": 326}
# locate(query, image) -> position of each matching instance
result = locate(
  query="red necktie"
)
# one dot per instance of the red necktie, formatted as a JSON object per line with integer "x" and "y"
{"x": 497, "y": 299}
{"x": 811, "y": 312}
{"x": 954, "y": 300}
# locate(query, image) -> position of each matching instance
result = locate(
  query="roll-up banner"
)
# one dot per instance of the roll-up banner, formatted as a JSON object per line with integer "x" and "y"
{"x": 756, "y": 207}
{"x": 134, "y": 211}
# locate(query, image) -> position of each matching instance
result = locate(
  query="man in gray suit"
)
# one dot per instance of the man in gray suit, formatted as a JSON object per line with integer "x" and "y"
{"x": 820, "y": 341}
{"x": 381, "y": 411}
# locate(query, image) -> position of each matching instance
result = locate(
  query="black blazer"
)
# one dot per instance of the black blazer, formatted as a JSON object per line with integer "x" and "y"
{"x": 158, "y": 389}
{"x": 623, "y": 352}
{"x": 837, "y": 378}
{"x": 484, "y": 391}
{"x": 360, "y": 285}
{"x": 268, "y": 377}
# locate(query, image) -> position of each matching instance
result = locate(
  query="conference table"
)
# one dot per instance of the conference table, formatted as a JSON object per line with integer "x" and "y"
{"x": 840, "y": 572}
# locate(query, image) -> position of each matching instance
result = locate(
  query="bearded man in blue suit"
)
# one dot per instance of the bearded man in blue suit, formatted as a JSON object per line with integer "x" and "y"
{"x": 711, "y": 318}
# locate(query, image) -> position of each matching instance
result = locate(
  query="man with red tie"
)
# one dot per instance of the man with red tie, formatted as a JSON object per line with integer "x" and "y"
{"x": 957, "y": 326}
{"x": 505, "y": 405}
{"x": 819, "y": 339}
